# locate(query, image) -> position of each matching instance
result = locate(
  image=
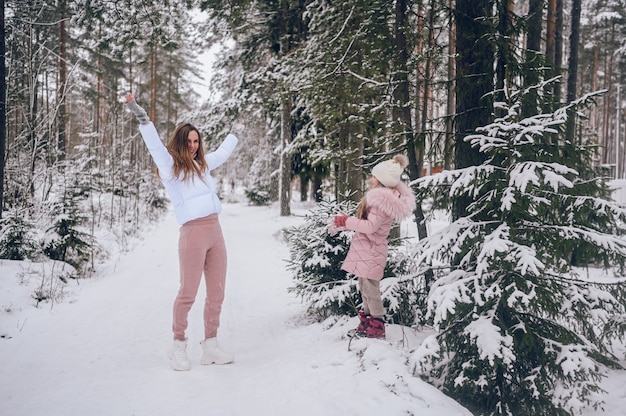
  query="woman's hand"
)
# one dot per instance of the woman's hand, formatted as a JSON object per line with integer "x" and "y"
{"x": 139, "y": 112}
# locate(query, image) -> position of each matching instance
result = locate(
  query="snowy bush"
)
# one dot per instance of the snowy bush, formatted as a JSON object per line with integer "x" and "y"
{"x": 261, "y": 177}
{"x": 521, "y": 331}
{"x": 64, "y": 240}
{"x": 17, "y": 238}
{"x": 316, "y": 255}
{"x": 258, "y": 196}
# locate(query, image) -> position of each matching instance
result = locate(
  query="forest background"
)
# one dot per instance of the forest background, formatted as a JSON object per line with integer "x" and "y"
{"x": 326, "y": 89}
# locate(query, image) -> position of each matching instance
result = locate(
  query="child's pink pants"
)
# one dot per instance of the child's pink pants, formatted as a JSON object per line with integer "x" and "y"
{"x": 201, "y": 248}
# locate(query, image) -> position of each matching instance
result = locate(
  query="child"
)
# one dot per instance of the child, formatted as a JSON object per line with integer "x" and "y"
{"x": 388, "y": 199}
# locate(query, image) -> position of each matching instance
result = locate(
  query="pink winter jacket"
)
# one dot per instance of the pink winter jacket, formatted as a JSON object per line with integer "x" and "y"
{"x": 367, "y": 255}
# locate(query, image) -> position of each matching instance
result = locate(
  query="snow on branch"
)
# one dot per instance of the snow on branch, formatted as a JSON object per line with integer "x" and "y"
{"x": 606, "y": 242}
{"x": 491, "y": 343}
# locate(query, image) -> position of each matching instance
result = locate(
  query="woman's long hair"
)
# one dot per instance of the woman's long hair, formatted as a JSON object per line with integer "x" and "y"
{"x": 179, "y": 149}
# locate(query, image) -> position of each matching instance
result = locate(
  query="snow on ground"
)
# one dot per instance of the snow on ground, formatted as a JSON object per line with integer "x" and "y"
{"x": 99, "y": 348}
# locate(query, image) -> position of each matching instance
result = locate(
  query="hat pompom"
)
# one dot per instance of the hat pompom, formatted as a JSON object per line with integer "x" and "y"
{"x": 402, "y": 160}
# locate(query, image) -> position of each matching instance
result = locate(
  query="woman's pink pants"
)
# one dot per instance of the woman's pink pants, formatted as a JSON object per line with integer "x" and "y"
{"x": 201, "y": 248}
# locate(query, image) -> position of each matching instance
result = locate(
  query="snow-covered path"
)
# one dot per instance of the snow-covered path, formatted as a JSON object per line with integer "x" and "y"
{"x": 102, "y": 352}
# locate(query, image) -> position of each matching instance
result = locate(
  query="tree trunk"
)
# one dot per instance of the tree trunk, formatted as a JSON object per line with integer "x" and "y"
{"x": 475, "y": 55}
{"x": 550, "y": 72}
{"x": 595, "y": 122}
{"x": 285, "y": 158}
{"x": 450, "y": 103}
{"x": 153, "y": 83}
{"x": 558, "y": 49}
{"x": 503, "y": 50}
{"x": 3, "y": 108}
{"x": 533, "y": 34}
{"x": 316, "y": 188}
{"x": 605, "y": 133}
{"x": 304, "y": 187}
{"x": 33, "y": 95}
{"x": 401, "y": 94}
{"x": 419, "y": 51}
{"x": 349, "y": 169}
{"x": 61, "y": 135}
{"x": 355, "y": 164}
{"x": 402, "y": 108}
{"x": 572, "y": 73}
{"x": 288, "y": 31}
{"x": 532, "y": 62}
{"x": 415, "y": 149}
{"x": 551, "y": 33}
{"x": 421, "y": 140}
{"x": 170, "y": 86}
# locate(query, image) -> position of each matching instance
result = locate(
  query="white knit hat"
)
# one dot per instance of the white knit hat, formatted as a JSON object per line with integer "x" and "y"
{"x": 389, "y": 172}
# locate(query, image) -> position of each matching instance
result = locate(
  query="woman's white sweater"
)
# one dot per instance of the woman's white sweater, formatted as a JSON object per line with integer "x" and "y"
{"x": 196, "y": 197}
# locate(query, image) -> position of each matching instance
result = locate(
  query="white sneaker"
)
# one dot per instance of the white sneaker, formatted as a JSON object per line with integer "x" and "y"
{"x": 212, "y": 354}
{"x": 178, "y": 356}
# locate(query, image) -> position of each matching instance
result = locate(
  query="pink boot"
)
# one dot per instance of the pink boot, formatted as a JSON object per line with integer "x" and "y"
{"x": 376, "y": 328}
{"x": 364, "y": 324}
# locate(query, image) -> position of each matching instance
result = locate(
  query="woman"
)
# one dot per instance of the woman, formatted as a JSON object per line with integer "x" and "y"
{"x": 184, "y": 169}
{"x": 387, "y": 200}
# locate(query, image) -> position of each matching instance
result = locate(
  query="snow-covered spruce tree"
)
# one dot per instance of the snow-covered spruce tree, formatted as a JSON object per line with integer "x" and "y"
{"x": 17, "y": 237}
{"x": 260, "y": 175}
{"x": 65, "y": 239}
{"x": 315, "y": 260}
{"x": 521, "y": 330}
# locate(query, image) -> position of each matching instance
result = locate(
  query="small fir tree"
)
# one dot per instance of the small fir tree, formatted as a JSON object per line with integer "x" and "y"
{"x": 260, "y": 176}
{"x": 316, "y": 254}
{"x": 17, "y": 238}
{"x": 64, "y": 240}
{"x": 521, "y": 331}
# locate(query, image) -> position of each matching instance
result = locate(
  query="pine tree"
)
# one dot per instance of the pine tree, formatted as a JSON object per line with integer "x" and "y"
{"x": 17, "y": 237}
{"x": 65, "y": 239}
{"x": 521, "y": 330}
{"x": 343, "y": 74}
